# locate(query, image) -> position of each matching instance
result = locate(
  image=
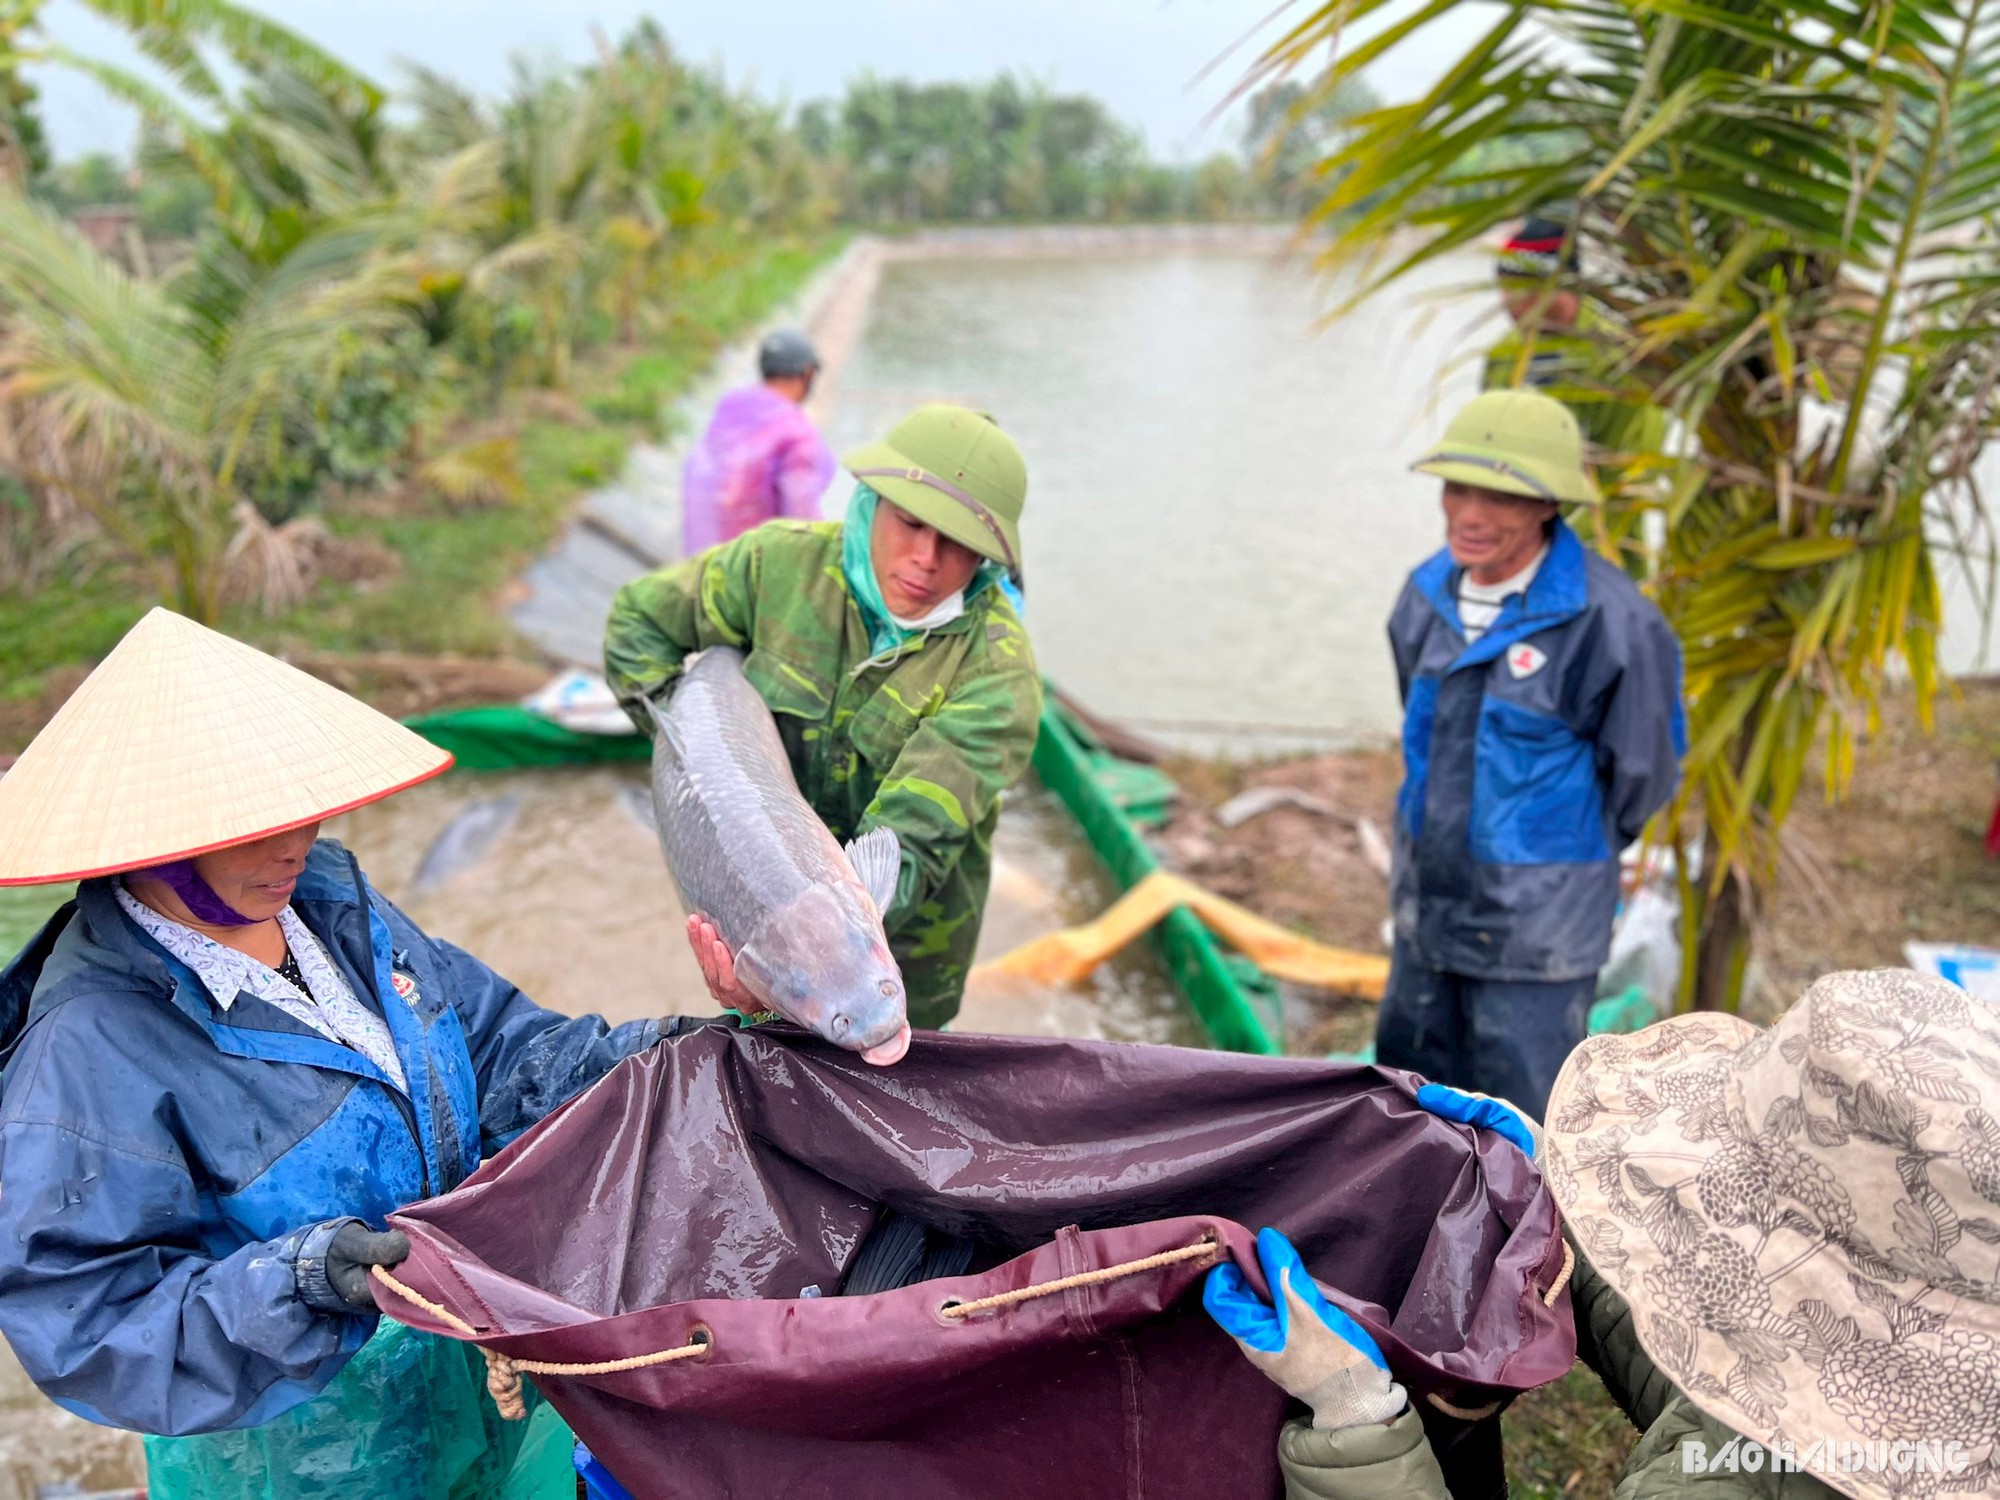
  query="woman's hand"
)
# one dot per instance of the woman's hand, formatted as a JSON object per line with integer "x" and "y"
{"x": 718, "y": 967}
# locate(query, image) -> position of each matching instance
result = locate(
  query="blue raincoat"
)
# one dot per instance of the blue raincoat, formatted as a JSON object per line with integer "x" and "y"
{"x": 1532, "y": 757}
{"x": 173, "y": 1172}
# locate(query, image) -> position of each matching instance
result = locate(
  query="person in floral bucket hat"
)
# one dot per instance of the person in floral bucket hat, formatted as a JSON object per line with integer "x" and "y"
{"x": 1788, "y": 1259}
{"x": 1805, "y": 1222}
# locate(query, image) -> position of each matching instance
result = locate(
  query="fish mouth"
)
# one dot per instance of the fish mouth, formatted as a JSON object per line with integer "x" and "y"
{"x": 882, "y": 1050}
{"x": 891, "y": 1051}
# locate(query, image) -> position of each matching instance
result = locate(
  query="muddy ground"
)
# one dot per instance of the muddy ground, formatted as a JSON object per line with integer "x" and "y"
{"x": 1899, "y": 859}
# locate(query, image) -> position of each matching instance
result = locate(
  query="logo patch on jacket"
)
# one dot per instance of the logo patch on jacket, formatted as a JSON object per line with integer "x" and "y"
{"x": 405, "y": 986}
{"x": 1525, "y": 660}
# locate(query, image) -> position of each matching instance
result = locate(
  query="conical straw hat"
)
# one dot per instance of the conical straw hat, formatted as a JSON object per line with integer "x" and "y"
{"x": 183, "y": 741}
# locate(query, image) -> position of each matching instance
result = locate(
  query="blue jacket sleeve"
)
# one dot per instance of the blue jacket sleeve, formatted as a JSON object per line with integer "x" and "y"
{"x": 528, "y": 1060}
{"x": 1643, "y": 732}
{"x": 1406, "y": 635}
{"x": 111, "y": 1302}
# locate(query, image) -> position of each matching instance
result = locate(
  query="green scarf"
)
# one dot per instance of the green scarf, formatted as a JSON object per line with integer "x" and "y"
{"x": 857, "y": 562}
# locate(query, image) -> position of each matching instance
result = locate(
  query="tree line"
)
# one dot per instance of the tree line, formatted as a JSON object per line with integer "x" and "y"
{"x": 324, "y": 276}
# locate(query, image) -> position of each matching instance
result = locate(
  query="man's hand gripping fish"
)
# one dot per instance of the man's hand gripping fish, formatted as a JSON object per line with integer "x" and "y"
{"x": 801, "y": 916}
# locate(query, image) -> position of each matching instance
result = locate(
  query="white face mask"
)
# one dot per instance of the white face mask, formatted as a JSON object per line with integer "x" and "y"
{"x": 944, "y": 614}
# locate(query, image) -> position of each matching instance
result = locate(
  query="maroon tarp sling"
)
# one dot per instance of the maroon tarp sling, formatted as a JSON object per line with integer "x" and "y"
{"x": 694, "y": 1194}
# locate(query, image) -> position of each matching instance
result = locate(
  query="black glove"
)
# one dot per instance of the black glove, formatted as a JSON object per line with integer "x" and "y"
{"x": 354, "y": 1249}
{"x": 673, "y": 1026}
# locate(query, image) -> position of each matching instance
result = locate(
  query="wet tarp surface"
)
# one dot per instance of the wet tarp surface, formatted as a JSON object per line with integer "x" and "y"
{"x": 707, "y": 1183}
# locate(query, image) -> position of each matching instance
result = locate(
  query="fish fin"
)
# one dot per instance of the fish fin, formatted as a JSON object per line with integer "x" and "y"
{"x": 664, "y": 733}
{"x": 877, "y": 857}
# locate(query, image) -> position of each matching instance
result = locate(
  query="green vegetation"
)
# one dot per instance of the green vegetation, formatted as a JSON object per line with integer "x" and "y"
{"x": 431, "y": 568}
{"x": 1010, "y": 149}
{"x": 389, "y": 352}
{"x": 1566, "y": 1439}
{"x": 23, "y": 910}
{"x": 356, "y": 354}
{"x": 1783, "y": 213}
{"x": 451, "y": 563}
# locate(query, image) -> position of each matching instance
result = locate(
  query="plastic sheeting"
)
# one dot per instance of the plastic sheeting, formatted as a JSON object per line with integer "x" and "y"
{"x": 407, "y": 1418}
{"x": 1069, "y": 955}
{"x": 719, "y": 1184}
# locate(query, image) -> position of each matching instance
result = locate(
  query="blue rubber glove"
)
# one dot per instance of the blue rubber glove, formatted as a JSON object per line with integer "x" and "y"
{"x": 1308, "y": 1346}
{"x": 1496, "y": 1115}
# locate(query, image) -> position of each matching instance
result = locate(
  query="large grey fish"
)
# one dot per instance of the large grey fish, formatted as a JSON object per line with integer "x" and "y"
{"x": 801, "y": 915}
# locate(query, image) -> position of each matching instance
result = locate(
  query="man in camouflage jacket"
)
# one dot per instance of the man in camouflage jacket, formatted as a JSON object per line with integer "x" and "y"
{"x": 915, "y": 724}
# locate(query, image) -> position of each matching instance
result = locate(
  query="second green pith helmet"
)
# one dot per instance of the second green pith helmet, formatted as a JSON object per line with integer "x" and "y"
{"x": 956, "y": 470}
{"x": 1516, "y": 442}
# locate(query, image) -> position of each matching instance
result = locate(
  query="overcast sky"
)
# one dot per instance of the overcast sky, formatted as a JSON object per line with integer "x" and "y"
{"x": 1143, "y": 57}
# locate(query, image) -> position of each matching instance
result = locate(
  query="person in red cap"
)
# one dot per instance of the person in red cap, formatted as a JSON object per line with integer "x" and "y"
{"x": 1555, "y": 338}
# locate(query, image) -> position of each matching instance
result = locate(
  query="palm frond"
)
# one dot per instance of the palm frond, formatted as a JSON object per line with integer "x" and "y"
{"x": 170, "y": 30}
{"x": 485, "y": 472}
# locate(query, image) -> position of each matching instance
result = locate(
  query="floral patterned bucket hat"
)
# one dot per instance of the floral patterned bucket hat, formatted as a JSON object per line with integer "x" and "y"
{"x": 1806, "y": 1221}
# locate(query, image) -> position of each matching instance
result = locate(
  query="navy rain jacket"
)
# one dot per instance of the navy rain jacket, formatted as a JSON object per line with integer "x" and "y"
{"x": 170, "y": 1169}
{"x": 1531, "y": 758}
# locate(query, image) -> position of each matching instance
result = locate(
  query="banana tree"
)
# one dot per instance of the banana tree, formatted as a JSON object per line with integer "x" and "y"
{"x": 1783, "y": 213}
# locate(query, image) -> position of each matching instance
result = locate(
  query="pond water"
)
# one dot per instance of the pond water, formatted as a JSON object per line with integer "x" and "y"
{"x": 1220, "y": 511}
{"x": 556, "y": 879}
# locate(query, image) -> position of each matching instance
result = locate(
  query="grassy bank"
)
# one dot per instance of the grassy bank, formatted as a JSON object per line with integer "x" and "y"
{"x": 415, "y": 575}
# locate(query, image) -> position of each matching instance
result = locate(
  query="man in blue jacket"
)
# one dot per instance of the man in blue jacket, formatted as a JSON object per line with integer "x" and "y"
{"x": 1542, "y": 729}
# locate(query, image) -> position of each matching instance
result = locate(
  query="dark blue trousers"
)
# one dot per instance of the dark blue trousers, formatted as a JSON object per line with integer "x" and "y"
{"x": 1507, "y": 1038}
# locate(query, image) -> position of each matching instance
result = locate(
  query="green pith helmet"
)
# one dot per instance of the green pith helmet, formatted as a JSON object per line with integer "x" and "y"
{"x": 956, "y": 470}
{"x": 1516, "y": 442}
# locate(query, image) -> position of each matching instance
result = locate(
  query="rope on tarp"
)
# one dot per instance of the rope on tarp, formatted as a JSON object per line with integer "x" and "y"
{"x": 1562, "y": 1276}
{"x": 503, "y": 1374}
{"x": 1202, "y": 1249}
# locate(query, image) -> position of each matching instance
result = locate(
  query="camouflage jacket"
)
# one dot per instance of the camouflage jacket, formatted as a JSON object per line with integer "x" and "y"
{"x": 922, "y": 740}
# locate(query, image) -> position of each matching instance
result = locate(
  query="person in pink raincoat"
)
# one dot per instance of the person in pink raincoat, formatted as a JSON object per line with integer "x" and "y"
{"x": 761, "y": 457}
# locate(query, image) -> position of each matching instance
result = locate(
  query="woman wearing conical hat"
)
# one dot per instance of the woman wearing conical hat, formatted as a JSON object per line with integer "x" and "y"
{"x": 226, "y": 1061}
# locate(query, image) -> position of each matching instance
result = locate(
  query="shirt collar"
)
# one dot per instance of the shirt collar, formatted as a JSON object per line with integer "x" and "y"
{"x": 1516, "y": 583}
{"x": 224, "y": 972}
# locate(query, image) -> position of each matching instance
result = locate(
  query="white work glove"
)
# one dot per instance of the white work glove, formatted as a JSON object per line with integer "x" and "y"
{"x": 1305, "y": 1344}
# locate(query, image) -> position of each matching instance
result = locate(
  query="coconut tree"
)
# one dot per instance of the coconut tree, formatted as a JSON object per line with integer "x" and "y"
{"x": 551, "y": 133}
{"x": 299, "y": 161}
{"x": 143, "y": 408}
{"x": 184, "y": 39}
{"x": 1784, "y": 214}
